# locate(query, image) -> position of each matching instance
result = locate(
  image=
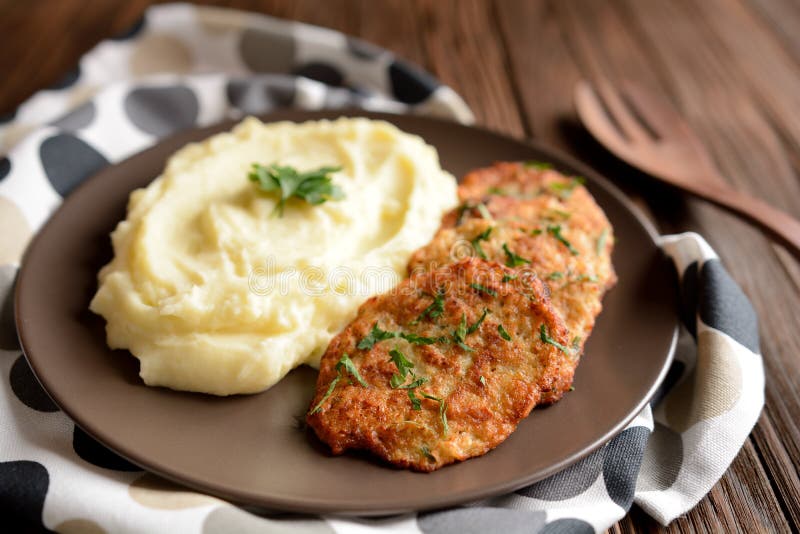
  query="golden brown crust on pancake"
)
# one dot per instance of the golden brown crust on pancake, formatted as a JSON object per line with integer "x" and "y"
{"x": 487, "y": 384}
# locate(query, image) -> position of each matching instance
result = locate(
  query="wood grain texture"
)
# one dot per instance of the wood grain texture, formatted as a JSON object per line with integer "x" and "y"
{"x": 731, "y": 66}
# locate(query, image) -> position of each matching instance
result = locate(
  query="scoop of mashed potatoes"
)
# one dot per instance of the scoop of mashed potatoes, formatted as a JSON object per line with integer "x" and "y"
{"x": 215, "y": 293}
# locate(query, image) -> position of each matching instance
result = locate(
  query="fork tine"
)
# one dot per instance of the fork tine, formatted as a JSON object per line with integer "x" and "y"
{"x": 621, "y": 114}
{"x": 594, "y": 116}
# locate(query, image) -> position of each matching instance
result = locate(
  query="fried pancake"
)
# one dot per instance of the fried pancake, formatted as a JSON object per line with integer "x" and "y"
{"x": 548, "y": 221}
{"x": 442, "y": 368}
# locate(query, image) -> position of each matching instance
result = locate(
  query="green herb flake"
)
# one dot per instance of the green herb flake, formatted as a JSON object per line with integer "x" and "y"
{"x": 415, "y": 402}
{"x": 509, "y": 277}
{"x": 442, "y": 410}
{"x": 555, "y": 275}
{"x": 402, "y": 363}
{"x": 484, "y": 211}
{"x": 375, "y": 335}
{"x": 412, "y": 385}
{"x": 565, "y": 189}
{"x": 482, "y": 379}
{"x": 512, "y": 260}
{"x": 601, "y": 241}
{"x": 502, "y": 331}
{"x": 345, "y": 363}
{"x": 476, "y": 242}
{"x": 477, "y": 323}
{"x": 555, "y": 231}
{"x": 426, "y": 452}
{"x": 536, "y": 231}
{"x": 576, "y": 343}
{"x": 494, "y": 190}
{"x": 572, "y": 388}
{"x": 537, "y": 165}
{"x": 331, "y": 387}
{"x": 434, "y": 310}
{"x": 545, "y": 337}
{"x": 483, "y": 289}
{"x": 315, "y": 187}
{"x": 419, "y": 340}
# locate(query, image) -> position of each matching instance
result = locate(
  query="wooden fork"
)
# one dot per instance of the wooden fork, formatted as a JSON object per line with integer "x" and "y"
{"x": 650, "y": 135}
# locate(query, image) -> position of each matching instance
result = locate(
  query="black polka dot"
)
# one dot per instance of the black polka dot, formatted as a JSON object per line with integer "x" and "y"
{"x": 409, "y": 84}
{"x": 23, "y": 487}
{"x": 5, "y": 167}
{"x": 68, "y": 161}
{"x": 725, "y": 307}
{"x": 321, "y": 72}
{"x": 261, "y": 95}
{"x": 462, "y": 520}
{"x": 161, "y": 111}
{"x": 68, "y": 79}
{"x": 621, "y": 462}
{"x": 78, "y": 118}
{"x": 131, "y": 32}
{"x": 27, "y": 388}
{"x": 567, "y": 526}
{"x": 568, "y": 483}
{"x": 8, "y": 330}
{"x": 93, "y": 452}
{"x": 688, "y": 293}
{"x": 362, "y": 49}
{"x": 8, "y": 116}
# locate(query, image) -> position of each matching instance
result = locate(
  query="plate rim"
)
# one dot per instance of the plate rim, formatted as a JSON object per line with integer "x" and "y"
{"x": 318, "y": 506}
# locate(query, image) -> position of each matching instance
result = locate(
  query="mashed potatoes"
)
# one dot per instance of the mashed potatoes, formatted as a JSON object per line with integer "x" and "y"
{"x": 212, "y": 292}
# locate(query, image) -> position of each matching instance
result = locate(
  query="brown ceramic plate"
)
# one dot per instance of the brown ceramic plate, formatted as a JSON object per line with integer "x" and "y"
{"x": 249, "y": 448}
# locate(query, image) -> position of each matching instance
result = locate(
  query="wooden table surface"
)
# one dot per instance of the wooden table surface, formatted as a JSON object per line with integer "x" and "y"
{"x": 731, "y": 66}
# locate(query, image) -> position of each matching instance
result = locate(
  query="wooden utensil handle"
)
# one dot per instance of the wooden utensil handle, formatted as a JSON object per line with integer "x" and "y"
{"x": 781, "y": 225}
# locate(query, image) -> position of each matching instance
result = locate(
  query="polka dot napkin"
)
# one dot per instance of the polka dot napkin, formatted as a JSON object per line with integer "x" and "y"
{"x": 183, "y": 66}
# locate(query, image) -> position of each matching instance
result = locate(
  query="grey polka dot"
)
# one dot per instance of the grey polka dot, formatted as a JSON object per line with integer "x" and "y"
{"x": 321, "y": 72}
{"x": 568, "y": 483}
{"x": 362, "y": 49}
{"x": 688, "y": 301}
{"x": 463, "y": 520}
{"x": 78, "y": 118}
{"x": 725, "y": 307}
{"x": 27, "y": 388}
{"x": 8, "y": 331}
{"x": 261, "y": 95}
{"x": 662, "y": 460}
{"x": 68, "y": 79}
{"x": 568, "y": 526}
{"x": 161, "y": 111}
{"x": 5, "y": 167}
{"x": 68, "y": 161}
{"x": 621, "y": 462}
{"x": 226, "y": 519}
{"x": 267, "y": 51}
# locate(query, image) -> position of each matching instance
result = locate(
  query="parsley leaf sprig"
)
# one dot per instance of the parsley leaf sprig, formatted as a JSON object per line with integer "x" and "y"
{"x": 545, "y": 337}
{"x": 555, "y": 231}
{"x": 345, "y": 364}
{"x": 476, "y": 242}
{"x": 512, "y": 260}
{"x": 315, "y": 186}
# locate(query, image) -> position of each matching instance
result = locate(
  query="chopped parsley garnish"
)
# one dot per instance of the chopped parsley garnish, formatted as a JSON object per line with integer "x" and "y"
{"x": 545, "y": 337}
{"x": 494, "y": 190}
{"x": 315, "y": 187}
{"x": 483, "y": 380}
{"x": 554, "y": 214}
{"x": 435, "y": 310}
{"x": 601, "y": 241}
{"x": 538, "y": 165}
{"x": 564, "y": 189}
{"x": 555, "y": 231}
{"x": 572, "y": 388}
{"x": 508, "y": 277}
{"x": 426, "y": 452}
{"x": 476, "y": 242}
{"x": 375, "y": 335}
{"x": 402, "y": 363}
{"x": 536, "y": 231}
{"x": 415, "y": 403}
{"x": 586, "y": 278}
{"x": 466, "y": 206}
{"x": 460, "y": 333}
{"x": 483, "y": 289}
{"x": 344, "y": 364}
{"x": 419, "y": 340}
{"x": 576, "y": 343}
{"x": 442, "y": 410}
{"x": 555, "y": 275}
{"x": 473, "y": 327}
{"x": 505, "y": 335}
{"x": 512, "y": 260}
{"x": 484, "y": 211}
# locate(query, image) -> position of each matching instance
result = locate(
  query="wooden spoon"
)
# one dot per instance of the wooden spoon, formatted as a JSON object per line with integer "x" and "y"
{"x": 650, "y": 135}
